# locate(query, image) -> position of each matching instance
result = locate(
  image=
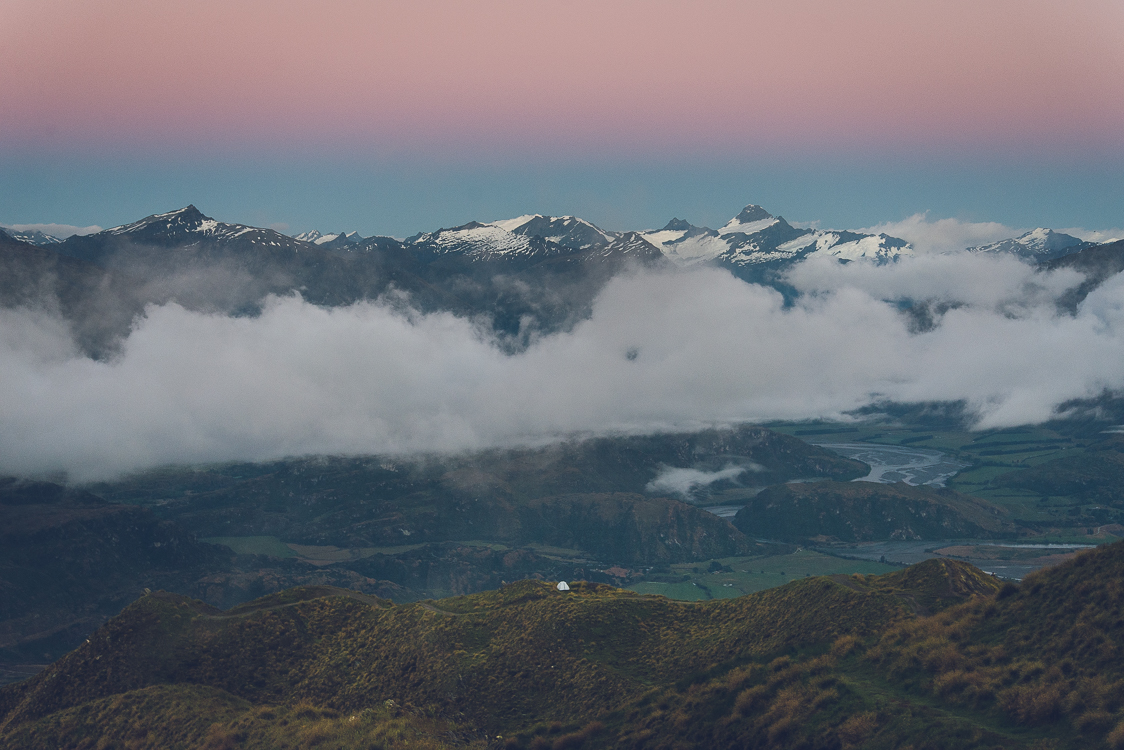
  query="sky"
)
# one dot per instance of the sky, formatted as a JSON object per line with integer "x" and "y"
{"x": 399, "y": 117}
{"x": 948, "y": 124}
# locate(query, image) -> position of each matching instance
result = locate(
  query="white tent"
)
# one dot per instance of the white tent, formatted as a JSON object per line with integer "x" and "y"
{"x": 563, "y": 586}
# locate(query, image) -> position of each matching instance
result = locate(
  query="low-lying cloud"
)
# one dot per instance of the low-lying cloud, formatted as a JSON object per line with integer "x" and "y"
{"x": 1095, "y": 235}
{"x": 951, "y": 235}
{"x": 661, "y": 350}
{"x": 944, "y": 235}
{"x": 61, "y": 231}
{"x": 683, "y": 482}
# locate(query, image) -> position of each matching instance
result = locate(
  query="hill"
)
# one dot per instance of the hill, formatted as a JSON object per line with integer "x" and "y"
{"x": 1095, "y": 475}
{"x": 938, "y": 655}
{"x": 866, "y": 511}
{"x": 501, "y": 661}
{"x": 599, "y": 489}
{"x": 935, "y": 656}
{"x": 405, "y": 530}
{"x": 69, "y": 561}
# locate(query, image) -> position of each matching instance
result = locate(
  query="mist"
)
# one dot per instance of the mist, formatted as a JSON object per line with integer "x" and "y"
{"x": 661, "y": 350}
{"x": 684, "y": 482}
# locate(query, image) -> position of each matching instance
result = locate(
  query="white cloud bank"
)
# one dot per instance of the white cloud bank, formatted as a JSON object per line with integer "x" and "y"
{"x": 951, "y": 235}
{"x": 710, "y": 349}
{"x": 62, "y": 231}
{"x": 944, "y": 235}
{"x": 1094, "y": 235}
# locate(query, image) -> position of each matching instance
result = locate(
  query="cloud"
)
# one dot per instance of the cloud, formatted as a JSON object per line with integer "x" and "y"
{"x": 944, "y": 235}
{"x": 61, "y": 231}
{"x": 999, "y": 282}
{"x": 1094, "y": 235}
{"x": 708, "y": 349}
{"x": 684, "y": 482}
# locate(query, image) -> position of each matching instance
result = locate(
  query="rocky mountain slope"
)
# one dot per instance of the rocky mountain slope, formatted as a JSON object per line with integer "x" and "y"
{"x": 529, "y": 275}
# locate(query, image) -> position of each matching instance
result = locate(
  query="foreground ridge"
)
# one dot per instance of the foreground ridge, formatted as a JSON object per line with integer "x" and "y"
{"x": 936, "y": 655}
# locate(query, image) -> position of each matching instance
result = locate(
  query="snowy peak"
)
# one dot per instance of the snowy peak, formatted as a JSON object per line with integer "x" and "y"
{"x": 478, "y": 241}
{"x": 756, "y": 237}
{"x": 632, "y": 246}
{"x": 330, "y": 241}
{"x": 752, "y": 219}
{"x": 849, "y": 246}
{"x": 187, "y": 219}
{"x": 568, "y": 231}
{"x": 1037, "y": 245}
{"x": 685, "y": 244}
{"x": 32, "y": 237}
{"x": 752, "y": 213}
{"x": 189, "y": 225}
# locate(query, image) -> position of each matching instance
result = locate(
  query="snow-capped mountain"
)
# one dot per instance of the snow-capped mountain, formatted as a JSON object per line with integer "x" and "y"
{"x": 530, "y": 274}
{"x": 188, "y": 224}
{"x": 330, "y": 240}
{"x": 32, "y": 237}
{"x": 1037, "y": 245}
{"x": 567, "y": 231}
{"x": 756, "y": 237}
{"x": 486, "y": 242}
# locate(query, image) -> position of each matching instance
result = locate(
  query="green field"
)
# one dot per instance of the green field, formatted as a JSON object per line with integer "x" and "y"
{"x": 990, "y": 454}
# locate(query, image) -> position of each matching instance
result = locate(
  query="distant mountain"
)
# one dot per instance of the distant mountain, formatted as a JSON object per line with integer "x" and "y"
{"x": 331, "y": 241}
{"x": 1038, "y": 245}
{"x": 560, "y": 263}
{"x": 486, "y": 242}
{"x": 183, "y": 229}
{"x": 32, "y": 237}
{"x": 755, "y": 241}
{"x": 1096, "y": 262}
{"x": 99, "y": 305}
{"x": 204, "y": 264}
{"x": 567, "y": 231}
{"x": 751, "y": 244}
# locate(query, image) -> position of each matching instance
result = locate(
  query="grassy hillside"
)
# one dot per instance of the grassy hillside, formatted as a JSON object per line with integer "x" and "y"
{"x": 1096, "y": 475}
{"x": 507, "y": 496}
{"x": 936, "y": 655}
{"x": 866, "y": 511}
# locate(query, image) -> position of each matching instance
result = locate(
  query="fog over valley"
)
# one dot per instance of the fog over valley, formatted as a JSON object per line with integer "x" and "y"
{"x": 660, "y": 349}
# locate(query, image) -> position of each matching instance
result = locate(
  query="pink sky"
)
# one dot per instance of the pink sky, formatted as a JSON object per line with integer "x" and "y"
{"x": 708, "y": 77}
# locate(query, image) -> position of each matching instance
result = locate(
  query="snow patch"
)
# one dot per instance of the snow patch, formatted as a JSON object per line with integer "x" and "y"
{"x": 734, "y": 227}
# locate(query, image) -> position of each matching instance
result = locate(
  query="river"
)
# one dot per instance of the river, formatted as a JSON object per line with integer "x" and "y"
{"x": 899, "y": 463}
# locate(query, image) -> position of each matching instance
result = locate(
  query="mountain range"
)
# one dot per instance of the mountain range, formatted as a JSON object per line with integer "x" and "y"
{"x": 1038, "y": 245}
{"x": 528, "y": 276}
{"x": 751, "y": 238}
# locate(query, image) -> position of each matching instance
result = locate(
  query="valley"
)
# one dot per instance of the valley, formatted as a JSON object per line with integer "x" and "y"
{"x": 414, "y": 530}
{"x": 731, "y": 581}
